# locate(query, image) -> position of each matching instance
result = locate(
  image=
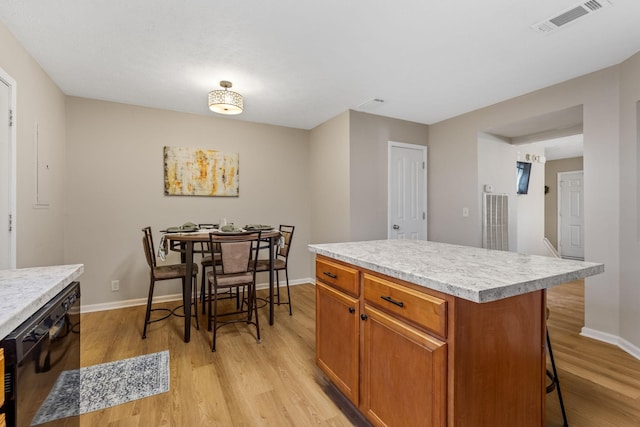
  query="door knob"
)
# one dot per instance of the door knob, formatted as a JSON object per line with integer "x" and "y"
{"x": 396, "y": 227}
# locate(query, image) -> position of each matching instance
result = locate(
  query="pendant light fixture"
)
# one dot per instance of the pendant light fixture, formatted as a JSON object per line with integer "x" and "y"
{"x": 225, "y": 101}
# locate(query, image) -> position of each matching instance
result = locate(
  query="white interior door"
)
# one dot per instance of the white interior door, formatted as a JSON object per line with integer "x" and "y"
{"x": 5, "y": 177}
{"x": 407, "y": 191}
{"x": 571, "y": 214}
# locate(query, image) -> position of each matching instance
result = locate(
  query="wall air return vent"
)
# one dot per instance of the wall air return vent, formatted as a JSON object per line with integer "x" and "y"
{"x": 570, "y": 15}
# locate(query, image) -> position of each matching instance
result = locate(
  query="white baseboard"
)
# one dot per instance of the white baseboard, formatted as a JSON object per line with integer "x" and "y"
{"x": 89, "y": 308}
{"x": 611, "y": 339}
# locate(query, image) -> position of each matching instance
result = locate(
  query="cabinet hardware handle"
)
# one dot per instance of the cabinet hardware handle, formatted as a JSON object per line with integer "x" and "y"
{"x": 333, "y": 276}
{"x": 392, "y": 301}
{"x": 352, "y": 310}
{"x": 364, "y": 316}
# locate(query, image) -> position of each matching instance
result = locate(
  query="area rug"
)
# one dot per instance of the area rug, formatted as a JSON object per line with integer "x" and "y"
{"x": 105, "y": 385}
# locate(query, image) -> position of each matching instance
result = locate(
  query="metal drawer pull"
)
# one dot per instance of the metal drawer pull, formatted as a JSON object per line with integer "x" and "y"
{"x": 333, "y": 276}
{"x": 392, "y": 301}
{"x": 352, "y": 310}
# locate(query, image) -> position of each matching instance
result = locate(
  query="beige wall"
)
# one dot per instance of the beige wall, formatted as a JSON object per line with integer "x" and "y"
{"x": 40, "y": 232}
{"x": 369, "y": 144}
{"x": 329, "y": 180}
{"x": 349, "y": 174}
{"x": 115, "y": 187}
{"x": 453, "y": 178}
{"x": 629, "y": 212}
{"x": 552, "y": 168}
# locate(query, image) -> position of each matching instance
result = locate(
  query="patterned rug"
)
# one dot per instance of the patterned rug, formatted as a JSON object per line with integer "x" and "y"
{"x": 105, "y": 385}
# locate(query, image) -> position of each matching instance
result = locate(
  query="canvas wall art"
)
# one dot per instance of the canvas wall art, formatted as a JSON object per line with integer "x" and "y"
{"x": 200, "y": 172}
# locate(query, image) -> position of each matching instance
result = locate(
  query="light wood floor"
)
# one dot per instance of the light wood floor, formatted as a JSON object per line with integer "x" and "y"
{"x": 600, "y": 382}
{"x": 276, "y": 383}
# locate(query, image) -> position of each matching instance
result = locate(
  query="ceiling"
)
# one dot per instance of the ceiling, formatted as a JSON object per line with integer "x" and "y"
{"x": 300, "y": 63}
{"x": 559, "y": 133}
{"x": 564, "y": 147}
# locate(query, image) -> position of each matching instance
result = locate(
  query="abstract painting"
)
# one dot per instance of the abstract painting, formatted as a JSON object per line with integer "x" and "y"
{"x": 200, "y": 172}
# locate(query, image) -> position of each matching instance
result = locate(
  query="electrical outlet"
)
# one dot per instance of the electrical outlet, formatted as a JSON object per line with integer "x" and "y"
{"x": 115, "y": 285}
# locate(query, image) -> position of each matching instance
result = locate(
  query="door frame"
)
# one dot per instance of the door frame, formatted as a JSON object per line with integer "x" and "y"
{"x": 423, "y": 149}
{"x": 9, "y": 81}
{"x": 559, "y": 206}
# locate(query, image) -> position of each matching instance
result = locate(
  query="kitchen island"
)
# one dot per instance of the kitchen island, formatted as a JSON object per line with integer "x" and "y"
{"x": 425, "y": 333}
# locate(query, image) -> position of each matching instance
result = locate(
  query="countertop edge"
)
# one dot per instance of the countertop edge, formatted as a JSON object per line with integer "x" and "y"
{"x": 54, "y": 286}
{"x": 477, "y": 296}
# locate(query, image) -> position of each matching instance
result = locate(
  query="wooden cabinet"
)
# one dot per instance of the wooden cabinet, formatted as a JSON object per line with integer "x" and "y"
{"x": 424, "y": 310}
{"x": 339, "y": 276}
{"x": 337, "y": 332}
{"x": 373, "y": 346}
{"x": 404, "y": 373}
{"x": 409, "y": 356}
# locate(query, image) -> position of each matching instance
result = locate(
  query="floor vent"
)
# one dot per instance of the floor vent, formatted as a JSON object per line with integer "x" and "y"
{"x": 570, "y": 15}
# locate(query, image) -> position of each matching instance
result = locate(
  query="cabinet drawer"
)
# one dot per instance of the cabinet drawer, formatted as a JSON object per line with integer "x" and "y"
{"x": 338, "y": 275}
{"x": 419, "y": 308}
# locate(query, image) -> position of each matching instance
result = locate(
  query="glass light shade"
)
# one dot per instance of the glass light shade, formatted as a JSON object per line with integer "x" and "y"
{"x": 225, "y": 102}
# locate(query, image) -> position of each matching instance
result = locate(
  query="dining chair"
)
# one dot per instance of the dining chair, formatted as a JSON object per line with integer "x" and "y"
{"x": 205, "y": 262}
{"x": 238, "y": 255}
{"x": 165, "y": 272}
{"x": 280, "y": 262}
{"x": 209, "y": 254}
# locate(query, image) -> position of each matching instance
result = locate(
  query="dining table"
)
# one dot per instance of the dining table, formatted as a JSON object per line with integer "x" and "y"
{"x": 186, "y": 240}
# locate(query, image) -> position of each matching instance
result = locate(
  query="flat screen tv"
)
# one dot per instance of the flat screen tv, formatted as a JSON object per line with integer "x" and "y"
{"x": 524, "y": 170}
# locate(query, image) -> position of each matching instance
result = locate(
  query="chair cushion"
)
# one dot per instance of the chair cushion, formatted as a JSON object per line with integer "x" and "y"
{"x": 206, "y": 261}
{"x": 231, "y": 280}
{"x": 173, "y": 271}
{"x": 263, "y": 264}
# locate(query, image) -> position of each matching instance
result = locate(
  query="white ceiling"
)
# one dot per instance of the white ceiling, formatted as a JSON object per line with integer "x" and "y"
{"x": 564, "y": 147}
{"x": 300, "y": 63}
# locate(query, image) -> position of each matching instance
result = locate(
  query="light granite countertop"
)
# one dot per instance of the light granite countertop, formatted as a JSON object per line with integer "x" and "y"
{"x": 23, "y": 291}
{"x": 475, "y": 274}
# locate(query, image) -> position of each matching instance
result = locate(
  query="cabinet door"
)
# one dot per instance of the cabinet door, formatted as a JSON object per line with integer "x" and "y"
{"x": 337, "y": 332}
{"x": 404, "y": 373}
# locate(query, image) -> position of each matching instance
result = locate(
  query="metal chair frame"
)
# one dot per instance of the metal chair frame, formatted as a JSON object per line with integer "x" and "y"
{"x": 246, "y": 246}
{"x": 161, "y": 273}
{"x": 283, "y": 255}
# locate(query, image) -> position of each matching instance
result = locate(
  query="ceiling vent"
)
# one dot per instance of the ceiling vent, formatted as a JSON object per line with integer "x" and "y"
{"x": 570, "y": 15}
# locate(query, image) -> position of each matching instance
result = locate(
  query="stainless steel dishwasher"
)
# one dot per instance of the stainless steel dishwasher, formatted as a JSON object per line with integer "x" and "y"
{"x": 37, "y": 352}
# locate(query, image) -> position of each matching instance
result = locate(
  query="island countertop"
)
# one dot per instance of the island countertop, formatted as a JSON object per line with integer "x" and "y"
{"x": 475, "y": 274}
{"x": 23, "y": 291}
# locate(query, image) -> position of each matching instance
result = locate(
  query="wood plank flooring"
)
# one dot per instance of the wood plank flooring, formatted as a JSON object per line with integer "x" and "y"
{"x": 600, "y": 383}
{"x": 276, "y": 382}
